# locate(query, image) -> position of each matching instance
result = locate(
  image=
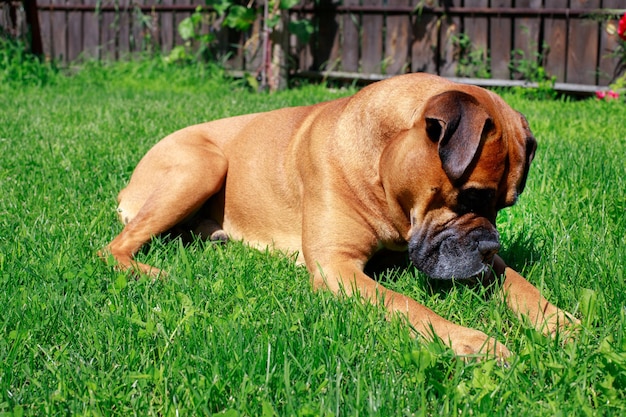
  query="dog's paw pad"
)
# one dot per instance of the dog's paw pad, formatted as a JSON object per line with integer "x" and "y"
{"x": 219, "y": 236}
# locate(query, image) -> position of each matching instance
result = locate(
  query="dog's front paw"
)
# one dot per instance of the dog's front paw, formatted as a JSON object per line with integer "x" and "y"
{"x": 470, "y": 343}
{"x": 559, "y": 322}
{"x": 127, "y": 263}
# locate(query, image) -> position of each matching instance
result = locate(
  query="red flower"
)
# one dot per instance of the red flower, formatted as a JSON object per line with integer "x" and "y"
{"x": 621, "y": 29}
{"x": 607, "y": 95}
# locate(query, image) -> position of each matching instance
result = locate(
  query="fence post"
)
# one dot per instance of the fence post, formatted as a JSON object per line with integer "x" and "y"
{"x": 32, "y": 20}
{"x": 279, "y": 41}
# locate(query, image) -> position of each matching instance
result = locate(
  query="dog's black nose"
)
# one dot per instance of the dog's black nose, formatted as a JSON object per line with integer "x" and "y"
{"x": 488, "y": 248}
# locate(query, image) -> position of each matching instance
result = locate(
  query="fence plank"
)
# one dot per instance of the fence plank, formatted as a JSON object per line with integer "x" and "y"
{"x": 326, "y": 53}
{"x": 91, "y": 32}
{"x": 46, "y": 29}
{"x": 230, "y": 46}
{"x": 144, "y": 29}
{"x": 450, "y": 28}
{"x": 108, "y": 32}
{"x": 500, "y": 43}
{"x": 397, "y": 40}
{"x": 179, "y": 16}
{"x": 253, "y": 52}
{"x": 476, "y": 28}
{"x": 74, "y": 32}
{"x": 4, "y": 18}
{"x": 607, "y": 63}
{"x": 166, "y": 29}
{"x": 424, "y": 44}
{"x": 304, "y": 51}
{"x": 372, "y": 42}
{"x": 526, "y": 42}
{"x": 555, "y": 36}
{"x": 59, "y": 30}
{"x": 583, "y": 42}
{"x": 124, "y": 29}
{"x": 350, "y": 39}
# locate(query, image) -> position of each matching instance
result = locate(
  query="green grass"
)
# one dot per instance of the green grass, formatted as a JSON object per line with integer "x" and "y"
{"x": 239, "y": 331}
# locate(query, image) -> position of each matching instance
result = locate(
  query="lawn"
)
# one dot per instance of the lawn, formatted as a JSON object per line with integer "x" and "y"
{"x": 236, "y": 331}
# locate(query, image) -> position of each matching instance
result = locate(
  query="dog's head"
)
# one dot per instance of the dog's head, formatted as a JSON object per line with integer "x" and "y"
{"x": 466, "y": 157}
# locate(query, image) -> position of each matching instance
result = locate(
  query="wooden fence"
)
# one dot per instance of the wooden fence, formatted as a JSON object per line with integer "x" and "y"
{"x": 363, "y": 38}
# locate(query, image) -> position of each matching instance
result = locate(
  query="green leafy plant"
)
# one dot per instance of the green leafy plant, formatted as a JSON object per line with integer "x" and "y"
{"x": 471, "y": 61}
{"x": 227, "y": 13}
{"x": 237, "y": 16}
{"x": 197, "y": 44}
{"x": 618, "y": 83}
{"x": 531, "y": 69}
{"x": 20, "y": 67}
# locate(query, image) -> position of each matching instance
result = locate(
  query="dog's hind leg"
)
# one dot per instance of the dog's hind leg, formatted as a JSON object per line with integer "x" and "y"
{"x": 169, "y": 185}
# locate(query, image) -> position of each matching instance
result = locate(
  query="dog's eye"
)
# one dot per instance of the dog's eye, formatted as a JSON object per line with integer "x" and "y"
{"x": 476, "y": 200}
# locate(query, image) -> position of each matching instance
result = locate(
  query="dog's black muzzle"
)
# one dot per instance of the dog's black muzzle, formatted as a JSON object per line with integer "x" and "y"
{"x": 455, "y": 252}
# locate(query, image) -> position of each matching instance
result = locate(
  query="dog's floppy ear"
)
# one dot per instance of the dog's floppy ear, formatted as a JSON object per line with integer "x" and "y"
{"x": 530, "y": 148}
{"x": 457, "y": 122}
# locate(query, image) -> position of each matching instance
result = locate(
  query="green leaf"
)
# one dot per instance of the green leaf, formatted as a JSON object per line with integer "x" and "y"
{"x": 120, "y": 282}
{"x": 178, "y": 53}
{"x": 303, "y": 29}
{"x": 588, "y": 305}
{"x": 273, "y": 21}
{"x": 220, "y": 6}
{"x": 267, "y": 409}
{"x": 240, "y": 18}
{"x": 186, "y": 28}
{"x": 288, "y": 4}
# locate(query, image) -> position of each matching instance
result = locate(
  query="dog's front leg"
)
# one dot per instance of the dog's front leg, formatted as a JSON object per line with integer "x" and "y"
{"x": 525, "y": 300}
{"x": 346, "y": 277}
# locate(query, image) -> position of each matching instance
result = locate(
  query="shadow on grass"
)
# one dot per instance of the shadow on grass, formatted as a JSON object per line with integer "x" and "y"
{"x": 518, "y": 253}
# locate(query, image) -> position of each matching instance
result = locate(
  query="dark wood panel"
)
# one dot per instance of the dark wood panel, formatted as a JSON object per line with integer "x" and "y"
{"x": 350, "y": 39}
{"x": 500, "y": 34}
{"x": 476, "y": 27}
{"x": 582, "y": 46}
{"x": 75, "y": 33}
{"x": 45, "y": 23}
{"x": 397, "y": 40}
{"x": 450, "y": 28}
{"x": 179, "y": 16}
{"x": 166, "y": 30}
{"x": 253, "y": 52}
{"x": 304, "y": 51}
{"x": 372, "y": 41}
{"x": 124, "y": 30}
{"x": 526, "y": 42}
{"x": 108, "y": 30}
{"x": 425, "y": 43}
{"x": 59, "y": 31}
{"x": 555, "y": 36}
{"x": 327, "y": 45}
{"x": 91, "y": 32}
